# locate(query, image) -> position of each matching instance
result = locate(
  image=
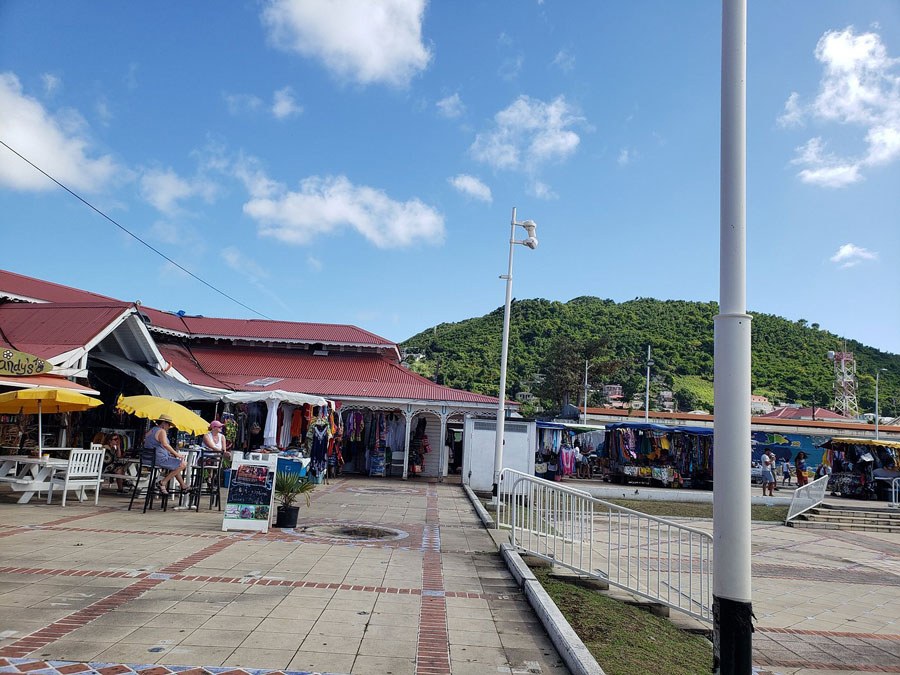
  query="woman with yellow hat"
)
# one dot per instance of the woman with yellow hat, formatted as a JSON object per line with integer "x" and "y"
{"x": 166, "y": 456}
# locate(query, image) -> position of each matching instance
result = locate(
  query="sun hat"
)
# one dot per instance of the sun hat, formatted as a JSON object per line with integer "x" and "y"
{"x": 215, "y": 424}
{"x": 165, "y": 417}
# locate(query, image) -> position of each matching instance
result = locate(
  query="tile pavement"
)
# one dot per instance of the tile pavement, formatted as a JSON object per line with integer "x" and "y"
{"x": 96, "y": 589}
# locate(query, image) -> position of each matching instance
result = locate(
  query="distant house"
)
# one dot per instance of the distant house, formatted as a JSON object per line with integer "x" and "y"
{"x": 612, "y": 391}
{"x": 665, "y": 401}
{"x": 525, "y": 397}
{"x": 814, "y": 413}
{"x": 760, "y": 405}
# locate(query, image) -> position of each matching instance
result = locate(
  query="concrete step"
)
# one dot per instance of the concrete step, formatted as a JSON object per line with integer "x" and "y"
{"x": 864, "y": 519}
{"x": 871, "y": 513}
{"x": 811, "y": 524}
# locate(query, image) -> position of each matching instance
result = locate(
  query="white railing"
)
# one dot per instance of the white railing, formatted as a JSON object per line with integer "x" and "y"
{"x": 651, "y": 557}
{"x": 806, "y": 497}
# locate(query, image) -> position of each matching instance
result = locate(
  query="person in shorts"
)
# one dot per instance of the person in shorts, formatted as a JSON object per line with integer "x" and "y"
{"x": 768, "y": 475}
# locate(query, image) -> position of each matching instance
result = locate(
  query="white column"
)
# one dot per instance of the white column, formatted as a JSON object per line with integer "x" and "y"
{"x": 409, "y": 416}
{"x": 443, "y": 463}
{"x": 731, "y": 486}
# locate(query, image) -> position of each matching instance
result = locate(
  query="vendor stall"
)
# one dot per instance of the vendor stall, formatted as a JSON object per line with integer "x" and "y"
{"x": 859, "y": 464}
{"x": 657, "y": 455}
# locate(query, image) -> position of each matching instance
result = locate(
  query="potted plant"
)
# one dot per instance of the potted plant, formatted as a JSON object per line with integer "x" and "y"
{"x": 288, "y": 487}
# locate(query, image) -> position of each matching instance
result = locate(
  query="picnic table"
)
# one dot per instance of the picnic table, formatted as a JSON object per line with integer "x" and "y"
{"x": 29, "y": 475}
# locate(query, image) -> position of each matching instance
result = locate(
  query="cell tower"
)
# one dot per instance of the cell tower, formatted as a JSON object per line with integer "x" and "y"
{"x": 844, "y": 383}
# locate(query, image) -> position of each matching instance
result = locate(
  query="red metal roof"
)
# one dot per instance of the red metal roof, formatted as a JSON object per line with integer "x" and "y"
{"x": 47, "y": 330}
{"x": 364, "y": 375}
{"x": 252, "y": 329}
{"x": 326, "y": 333}
{"x": 789, "y": 413}
{"x": 38, "y": 289}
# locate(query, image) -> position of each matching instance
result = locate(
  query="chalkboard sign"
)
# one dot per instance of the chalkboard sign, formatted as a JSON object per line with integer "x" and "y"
{"x": 250, "y": 492}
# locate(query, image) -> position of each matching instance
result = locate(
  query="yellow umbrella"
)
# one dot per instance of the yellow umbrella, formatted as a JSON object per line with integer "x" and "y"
{"x": 40, "y": 400}
{"x": 151, "y": 407}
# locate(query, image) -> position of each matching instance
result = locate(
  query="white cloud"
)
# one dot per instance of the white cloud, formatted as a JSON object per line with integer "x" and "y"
{"x": 564, "y": 60}
{"x": 241, "y": 263}
{"x": 451, "y": 106}
{"x": 103, "y": 111}
{"x": 471, "y": 186}
{"x": 824, "y": 169}
{"x": 793, "y": 113}
{"x": 849, "y": 255}
{"x": 131, "y": 76}
{"x": 252, "y": 271}
{"x": 541, "y": 191}
{"x": 366, "y": 42}
{"x": 239, "y": 104}
{"x": 324, "y": 205}
{"x": 528, "y": 133}
{"x": 626, "y": 156}
{"x": 165, "y": 232}
{"x": 58, "y": 144}
{"x": 314, "y": 263}
{"x": 284, "y": 105}
{"x": 164, "y": 189}
{"x": 249, "y": 171}
{"x": 860, "y": 86}
{"x": 51, "y": 83}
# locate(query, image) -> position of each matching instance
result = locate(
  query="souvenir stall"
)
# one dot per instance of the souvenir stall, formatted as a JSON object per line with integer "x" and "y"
{"x": 658, "y": 455}
{"x": 555, "y": 455}
{"x": 693, "y": 453}
{"x": 374, "y": 442}
{"x": 859, "y": 466}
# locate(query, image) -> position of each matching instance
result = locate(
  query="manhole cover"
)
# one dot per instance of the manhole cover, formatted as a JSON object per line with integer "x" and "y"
{"x": 374, "y": 490}
{"x": 351, "y": 532}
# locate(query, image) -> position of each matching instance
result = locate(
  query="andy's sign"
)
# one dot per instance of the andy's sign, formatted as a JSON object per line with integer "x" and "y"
{"x": 19, "y": 364}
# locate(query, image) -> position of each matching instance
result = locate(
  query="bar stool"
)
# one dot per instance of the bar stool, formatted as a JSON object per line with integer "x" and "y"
{"x": 208, "y": 465}
{"x": 148, "y": 461}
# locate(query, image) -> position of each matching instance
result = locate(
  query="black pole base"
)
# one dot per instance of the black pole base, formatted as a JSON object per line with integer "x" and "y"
{"x": 733, "y": 637}
{"x": 494, "y": 490}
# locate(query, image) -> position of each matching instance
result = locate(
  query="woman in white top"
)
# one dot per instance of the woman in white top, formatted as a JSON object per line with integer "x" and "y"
{"x": 215, "y": 439}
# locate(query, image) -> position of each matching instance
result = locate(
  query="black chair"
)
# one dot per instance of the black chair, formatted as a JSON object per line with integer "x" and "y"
{"x": 206, "y": 478}
{"x": 148, "y": 461}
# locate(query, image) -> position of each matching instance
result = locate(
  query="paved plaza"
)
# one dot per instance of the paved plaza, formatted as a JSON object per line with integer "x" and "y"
{"x": 165, "y": 592}
{"x": 169, "y": 592}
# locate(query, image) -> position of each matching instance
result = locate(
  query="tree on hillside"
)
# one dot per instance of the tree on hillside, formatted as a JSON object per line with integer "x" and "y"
{"x": 563, "y": 367}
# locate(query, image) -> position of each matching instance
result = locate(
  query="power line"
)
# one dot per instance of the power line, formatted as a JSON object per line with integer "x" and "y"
{"x": 132, "y": 234}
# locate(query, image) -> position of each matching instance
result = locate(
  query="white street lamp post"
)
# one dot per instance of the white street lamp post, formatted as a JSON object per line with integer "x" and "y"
{"x": 877, "y": 377}
{"x": 732, "y": 607}
{"x": 647, "y": 390}
{"x": 531, "y": 242}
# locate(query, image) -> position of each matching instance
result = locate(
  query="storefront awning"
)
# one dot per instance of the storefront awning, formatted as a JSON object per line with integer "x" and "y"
{"x": 157, "y": 383}
{"x": 46, "y": 381}
{"x": 279, "y": 395}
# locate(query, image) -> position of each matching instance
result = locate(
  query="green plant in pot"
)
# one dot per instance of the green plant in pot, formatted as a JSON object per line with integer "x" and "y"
{"x": 288, "y": 488}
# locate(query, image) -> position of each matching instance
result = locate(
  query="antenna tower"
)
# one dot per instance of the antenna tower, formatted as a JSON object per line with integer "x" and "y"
{"x": 845, "y": 401}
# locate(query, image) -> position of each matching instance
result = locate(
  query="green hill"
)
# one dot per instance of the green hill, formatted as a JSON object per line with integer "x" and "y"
{"x": 789, "y": 361}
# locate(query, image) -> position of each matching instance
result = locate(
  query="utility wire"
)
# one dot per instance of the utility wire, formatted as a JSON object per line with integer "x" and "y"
{"x": 132, "y": 234}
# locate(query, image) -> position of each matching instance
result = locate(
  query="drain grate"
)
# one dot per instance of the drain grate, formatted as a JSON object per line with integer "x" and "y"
{"x": 351, "y": 532}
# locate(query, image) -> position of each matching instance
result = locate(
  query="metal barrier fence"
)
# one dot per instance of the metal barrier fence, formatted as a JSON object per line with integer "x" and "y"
{"x": 651, "y": 557}
{"x": 806, "y": 497}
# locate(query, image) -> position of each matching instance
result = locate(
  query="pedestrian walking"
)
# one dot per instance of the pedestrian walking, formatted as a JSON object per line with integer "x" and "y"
{"x": 801, "y": 469}
{"x": 768, "y": 476}
{"x": 786, "y": 473}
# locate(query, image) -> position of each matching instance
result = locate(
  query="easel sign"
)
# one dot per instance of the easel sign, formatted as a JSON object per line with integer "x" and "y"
{"x": 251, "y": 492}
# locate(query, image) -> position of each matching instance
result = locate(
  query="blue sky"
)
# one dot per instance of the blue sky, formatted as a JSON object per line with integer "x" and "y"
{"x": 357, "y": 162}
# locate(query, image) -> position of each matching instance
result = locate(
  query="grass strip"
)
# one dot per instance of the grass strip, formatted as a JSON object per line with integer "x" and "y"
{"x": 692, "y": 510}
{"x": 626, "y": 640}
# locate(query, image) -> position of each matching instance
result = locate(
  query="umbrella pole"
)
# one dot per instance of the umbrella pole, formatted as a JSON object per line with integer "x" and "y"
{"x": 40, "y": 430}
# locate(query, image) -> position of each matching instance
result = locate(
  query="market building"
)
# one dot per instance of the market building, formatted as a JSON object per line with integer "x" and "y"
{"x": 108, "y": 346}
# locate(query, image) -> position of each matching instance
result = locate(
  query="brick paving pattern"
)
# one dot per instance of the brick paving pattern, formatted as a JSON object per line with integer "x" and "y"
{"x": 158, "y": 593}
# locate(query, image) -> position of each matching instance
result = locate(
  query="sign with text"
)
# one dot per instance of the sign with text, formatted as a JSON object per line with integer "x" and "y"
{"x": 250, "y": 492}
{"x": 20, "y": 364}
